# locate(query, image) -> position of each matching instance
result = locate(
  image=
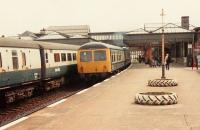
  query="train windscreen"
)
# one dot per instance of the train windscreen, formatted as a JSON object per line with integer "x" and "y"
{"x": 99, "y": 55}
{"x": 86, "y": 56}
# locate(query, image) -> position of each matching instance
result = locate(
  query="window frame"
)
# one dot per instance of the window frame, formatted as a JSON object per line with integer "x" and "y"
{"x": 56, "y": 57}
{"x": 99, "y": 56}
{"x": 15, "y": 57}
{"x": 63, "y": 57}
{"x": 23, "y": 59}
{"x": 74, "y": 56}
{"x": 82, "y": 59}
{"x": 69, "y": 56}
{"x": 46, "y": 57}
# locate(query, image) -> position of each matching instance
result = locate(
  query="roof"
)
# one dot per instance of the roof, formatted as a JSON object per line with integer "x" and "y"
{"x": 8, "y": 42}
{"x": 58, "y": 46}
{"x": 53, "y": 35}
{"x": 70, "y": 30}
{"x": 99, "y": 45}
{"x": 28, "y": 34}
{"x": 157, "y": 28}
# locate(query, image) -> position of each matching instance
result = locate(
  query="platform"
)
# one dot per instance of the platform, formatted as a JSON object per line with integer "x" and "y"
{"x": 110, "y": 105}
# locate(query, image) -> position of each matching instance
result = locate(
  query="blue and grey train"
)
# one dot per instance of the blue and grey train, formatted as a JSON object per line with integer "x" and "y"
{"x": 26, "y": 66}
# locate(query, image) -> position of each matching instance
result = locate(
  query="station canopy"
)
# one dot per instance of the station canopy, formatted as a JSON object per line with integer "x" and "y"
{"x": 152, "y": 34}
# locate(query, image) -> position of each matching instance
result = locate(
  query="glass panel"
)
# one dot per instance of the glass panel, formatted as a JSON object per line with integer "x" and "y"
{"x": 15, "y": 59}
{"x": 23, "y": 59}
{"x": 74, "y": 56}
{"x": 100, "y": 55}
{"x": 69, "y": 57}
{"x": 47, "y": 58}
{"x": 63, "y": 56}
{"x": 57, "y": 57}
{"x": 86, "y": 56}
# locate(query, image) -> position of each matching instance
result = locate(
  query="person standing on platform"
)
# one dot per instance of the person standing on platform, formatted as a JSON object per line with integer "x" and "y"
{"x": 167, "y": 61}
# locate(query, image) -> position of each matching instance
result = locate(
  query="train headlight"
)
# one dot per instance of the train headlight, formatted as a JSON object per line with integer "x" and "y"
{"x": 81, "y": 69}
{"x": 104, "y": 68}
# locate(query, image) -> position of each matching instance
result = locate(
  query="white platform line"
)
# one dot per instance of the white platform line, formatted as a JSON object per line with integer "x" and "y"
{"x": 13, "y": 123}
{"x": 113, "y": 77}
{"x": 106, "y": 80}
{"x": 82, "y": 91}
{"x": 118, "y": 74}
{"x": 96, "y": 85}
{"x": 56, "y": 103}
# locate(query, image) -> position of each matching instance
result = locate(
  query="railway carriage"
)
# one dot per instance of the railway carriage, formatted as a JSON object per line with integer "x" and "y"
{"x": 27, "y": 65}
{"x": 100, "y": 59}
{"x": 59, "y": 63}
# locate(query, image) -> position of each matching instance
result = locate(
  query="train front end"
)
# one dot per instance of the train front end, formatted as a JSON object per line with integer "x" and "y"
{"x": 93, "y": 61}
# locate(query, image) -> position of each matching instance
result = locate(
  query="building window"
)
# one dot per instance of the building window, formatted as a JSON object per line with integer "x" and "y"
{"x": 23, "y": 59}
{"x": 46, "y": 57}
{"x": 0, "y": 60}
{"x": 74, "y": 56}
{"x": 63, "y": 56}
{"x": 15, "y": 59}
{"x": 56, "y": 57}
{"x": 69, "y": 57}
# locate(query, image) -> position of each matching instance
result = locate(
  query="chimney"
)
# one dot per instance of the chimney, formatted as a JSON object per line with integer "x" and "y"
{"x": 185, "y": 22}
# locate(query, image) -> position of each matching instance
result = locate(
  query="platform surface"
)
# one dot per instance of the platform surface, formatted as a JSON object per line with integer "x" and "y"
{"x": 110, "y": 105}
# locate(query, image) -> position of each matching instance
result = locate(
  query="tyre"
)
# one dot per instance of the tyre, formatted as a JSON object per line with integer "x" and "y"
{"x": 156, "y": 98}
{"x": 162, "y": 83}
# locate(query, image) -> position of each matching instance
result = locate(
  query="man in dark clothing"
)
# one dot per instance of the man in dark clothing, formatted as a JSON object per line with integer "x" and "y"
{"x": 167, "y": 61}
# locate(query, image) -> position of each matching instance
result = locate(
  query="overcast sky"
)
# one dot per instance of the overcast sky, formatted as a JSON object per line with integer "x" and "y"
{"x": 16, "y": 16}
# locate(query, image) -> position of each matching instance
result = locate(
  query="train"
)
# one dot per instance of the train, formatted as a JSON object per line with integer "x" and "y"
{"x": 98, "y": 59}
{"x": 26, "y": 66}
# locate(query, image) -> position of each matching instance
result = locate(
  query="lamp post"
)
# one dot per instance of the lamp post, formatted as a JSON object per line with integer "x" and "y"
{"x": 163, "y": 82}
{"x": 163, "y": 48}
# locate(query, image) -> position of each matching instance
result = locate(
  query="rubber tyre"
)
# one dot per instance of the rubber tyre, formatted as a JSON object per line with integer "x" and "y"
{"x": 156, "y": 98}
{"x": 162, "y": 83}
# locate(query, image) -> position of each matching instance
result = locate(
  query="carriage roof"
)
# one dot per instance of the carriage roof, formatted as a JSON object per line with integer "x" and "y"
{"x": 8, "y": 42}
{"x": 99, "y": 45}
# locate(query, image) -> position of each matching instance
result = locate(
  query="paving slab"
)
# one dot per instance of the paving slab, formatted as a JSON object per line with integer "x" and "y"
{"x": 110, "y": 105}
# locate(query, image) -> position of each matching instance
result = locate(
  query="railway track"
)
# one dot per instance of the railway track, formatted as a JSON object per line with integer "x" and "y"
{"x": 25, "y": 107}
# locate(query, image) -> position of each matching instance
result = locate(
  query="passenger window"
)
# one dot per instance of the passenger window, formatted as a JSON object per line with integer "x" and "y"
{"x": 0, "y": 61}
{"x": 69, "y": 57}
{"x": 15, "y": 59}
{"x": 63, "y": 56}
{"x": 56, "y": 57}
{"x": 86, "y": 56}
{"x": 74, "y": 56}
{"x": 99, "y": 55}
{"x": 23, "y": 59}
{"x": 46, "y": 57}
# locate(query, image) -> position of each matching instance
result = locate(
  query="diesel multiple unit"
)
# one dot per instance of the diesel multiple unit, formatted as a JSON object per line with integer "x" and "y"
{"x": 100, "y": 59}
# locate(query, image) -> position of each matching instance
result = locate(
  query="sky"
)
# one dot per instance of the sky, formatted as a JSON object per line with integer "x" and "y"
{"x": 17, "y": 16}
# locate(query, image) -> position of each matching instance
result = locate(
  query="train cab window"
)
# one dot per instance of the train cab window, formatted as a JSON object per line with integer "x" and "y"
{"x": 46, "y": 57}
{"x": 86, "y": 56}
{"x": 23, "y": 59}
{"x": 15, "y": 59}
{"x": 74, "y": 56}
{"x": 99, "y": 55}
{"x": 63, "y": 56}
{"x": 56, "y": 57}
{"x": 69, "y": 57}
{"x": 0, "y": 61}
